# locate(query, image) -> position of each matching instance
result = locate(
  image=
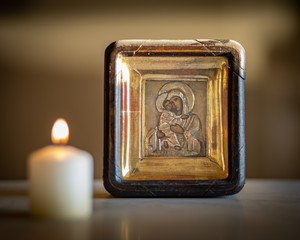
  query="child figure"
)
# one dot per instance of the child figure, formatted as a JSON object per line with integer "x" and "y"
{"x": 165, "y": 121}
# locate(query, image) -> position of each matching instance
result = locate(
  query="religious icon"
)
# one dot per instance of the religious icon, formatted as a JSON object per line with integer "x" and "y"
{"x": 174, "y": 118}
{"x": 180, "y": 125}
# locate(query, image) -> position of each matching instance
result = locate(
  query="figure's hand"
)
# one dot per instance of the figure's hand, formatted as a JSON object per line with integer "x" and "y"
{"x": 160, "y": 134}
{"x": 177, "y": 128}
{"x": 185, "y": 116}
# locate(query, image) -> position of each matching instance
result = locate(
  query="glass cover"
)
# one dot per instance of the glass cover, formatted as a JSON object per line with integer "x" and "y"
{"x": 171, "y": 117}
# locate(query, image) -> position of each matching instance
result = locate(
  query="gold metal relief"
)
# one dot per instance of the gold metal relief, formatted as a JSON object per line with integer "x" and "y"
{"x": 173, "y": 117}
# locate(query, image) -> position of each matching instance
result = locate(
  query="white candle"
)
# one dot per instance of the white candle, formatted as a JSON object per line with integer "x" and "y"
{"x": 61, "y": 178}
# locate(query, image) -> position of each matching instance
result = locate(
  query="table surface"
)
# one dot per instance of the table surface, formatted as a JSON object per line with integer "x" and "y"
{"x": 264, "y": 209}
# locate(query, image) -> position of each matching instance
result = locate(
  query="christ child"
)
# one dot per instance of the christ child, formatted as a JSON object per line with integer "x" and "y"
{"x": 169, "y": 137}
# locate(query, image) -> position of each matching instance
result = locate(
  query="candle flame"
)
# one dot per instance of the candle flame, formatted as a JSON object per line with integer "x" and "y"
{"x": 60, "y": 132}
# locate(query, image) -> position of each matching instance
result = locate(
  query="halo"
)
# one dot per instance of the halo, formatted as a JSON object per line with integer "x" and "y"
{"x": 188, "y": 92}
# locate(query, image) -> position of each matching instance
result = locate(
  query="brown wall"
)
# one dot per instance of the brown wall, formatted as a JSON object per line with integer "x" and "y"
{"x": 51, "y": 63}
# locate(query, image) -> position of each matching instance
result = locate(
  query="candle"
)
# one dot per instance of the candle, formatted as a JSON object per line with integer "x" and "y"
{"x": 61, "y": 178}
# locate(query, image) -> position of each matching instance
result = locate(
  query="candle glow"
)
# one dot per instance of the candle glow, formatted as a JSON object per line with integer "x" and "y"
{"x": 60, "y": 132}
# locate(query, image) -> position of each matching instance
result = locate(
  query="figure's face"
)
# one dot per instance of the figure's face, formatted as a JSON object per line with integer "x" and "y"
{"x": 168, "y": 105}
{"x": 177, "y": 105}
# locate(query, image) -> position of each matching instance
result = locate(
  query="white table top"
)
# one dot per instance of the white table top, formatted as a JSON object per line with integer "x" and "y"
{"x": 264, "y": 209}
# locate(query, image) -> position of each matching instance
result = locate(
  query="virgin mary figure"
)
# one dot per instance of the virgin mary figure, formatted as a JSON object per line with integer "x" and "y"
{"x": 181, "y": 132}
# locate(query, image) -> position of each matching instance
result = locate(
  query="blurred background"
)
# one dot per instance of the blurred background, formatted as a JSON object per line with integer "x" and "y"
{"x": 52, "y": 65}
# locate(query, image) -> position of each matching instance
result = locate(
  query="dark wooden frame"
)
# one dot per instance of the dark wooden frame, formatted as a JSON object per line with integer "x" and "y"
{"x": 235, "y": 54}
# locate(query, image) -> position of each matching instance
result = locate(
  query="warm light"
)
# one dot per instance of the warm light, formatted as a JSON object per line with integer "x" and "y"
{"x": 125, "y": 73}
{"x": 126, "y": 94}
{"x": 60, "y": 132}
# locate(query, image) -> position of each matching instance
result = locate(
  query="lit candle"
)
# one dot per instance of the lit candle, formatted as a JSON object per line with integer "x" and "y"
{"x": 61, "y": 178}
